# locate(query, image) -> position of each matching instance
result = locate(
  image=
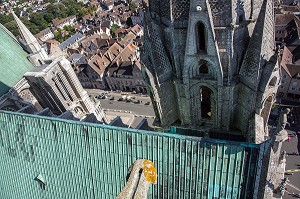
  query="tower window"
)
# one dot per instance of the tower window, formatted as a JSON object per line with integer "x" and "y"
{"x": 205, "y": 98}
{"x": 203, "y": 69}
{"x": 200, "y": 31}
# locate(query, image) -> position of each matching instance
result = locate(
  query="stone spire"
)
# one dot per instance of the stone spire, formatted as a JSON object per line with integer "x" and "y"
{"x": 260, "y": 48}
{"x": 37, "y": 54}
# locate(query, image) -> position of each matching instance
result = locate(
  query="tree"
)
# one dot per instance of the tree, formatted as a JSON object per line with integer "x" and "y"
{"x": 132, "y": 5}
{"x": 113, "y": 29}
{"x": 69, "y": 29}
{"x": 129, "y": 21}
{"x": 12, "y": 27}
{"x": 48, "y": 17}
{"x": 34, "y": 29}
{"x": 38, "y": 19}
{"x": 57, "y": 35}
{"x": 6, "y": 18}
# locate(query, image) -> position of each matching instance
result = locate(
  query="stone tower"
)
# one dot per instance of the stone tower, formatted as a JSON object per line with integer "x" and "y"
{"x": 212, "y": 65}
{"x": 57, "y": 87}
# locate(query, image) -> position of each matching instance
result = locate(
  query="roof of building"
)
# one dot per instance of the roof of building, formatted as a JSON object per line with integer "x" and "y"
{"x": 293, "y": 31}
{"x": 77, "y": 58}
{"x": 43, "y": 33}
{"x": 136, "y": 29}
{"x": 283, "y": 19}
{"x": 97, "y": 64}
{"x": 14, "y": 62}
{"x": 57, "y": 22}
{"x": 292, "y": 69}
{"x": 74, "y": 38}
{"x": 122, "y": 146}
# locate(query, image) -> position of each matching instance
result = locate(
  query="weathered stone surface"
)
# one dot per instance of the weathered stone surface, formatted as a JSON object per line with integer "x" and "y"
{"x": 218, "y": 60}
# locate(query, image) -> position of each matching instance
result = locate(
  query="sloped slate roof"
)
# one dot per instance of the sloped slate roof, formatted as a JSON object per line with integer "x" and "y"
{"x": 70, "y": 41}
{"x": 13, "y": 61}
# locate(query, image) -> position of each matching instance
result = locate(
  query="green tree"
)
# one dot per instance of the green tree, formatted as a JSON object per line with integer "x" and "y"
{"x": 38, "y": 19}
{"x": 132, "y": 5}
{"x": 48, "y": 17}
{"x": 34, "y": 29}
{"x": 6, "y": 18}
{"x": 69, "y": 29}
{"x": 129, "y": 21}
{"x": 12, "y": 27}
{"x": 57, "y": 35}
{"x": 113, "y": 29}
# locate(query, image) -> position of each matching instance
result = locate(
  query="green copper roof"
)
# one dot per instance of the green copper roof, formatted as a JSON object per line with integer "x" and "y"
{"x": 81, "y": 160}
{"x": 13, "y": 61}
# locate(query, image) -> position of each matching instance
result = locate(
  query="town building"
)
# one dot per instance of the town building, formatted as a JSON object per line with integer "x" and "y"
{"x": 71, "y": 42}
{"x": 61, "y": 23}
{"x": 45, "y": 35}
{"x": 290, "y": 71}
{"x": 281, "y": 22}
{"x": 57, "y": 87}
{"x": 126, "y": 77}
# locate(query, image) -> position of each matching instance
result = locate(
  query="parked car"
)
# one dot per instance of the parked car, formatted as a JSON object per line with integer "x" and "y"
{"x": 147, "y": 103}
{"x": 101, "y": 96}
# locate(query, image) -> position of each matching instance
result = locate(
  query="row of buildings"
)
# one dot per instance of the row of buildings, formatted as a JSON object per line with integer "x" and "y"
{"x": 287, "y": 35}
{"x": 101, "y": 60}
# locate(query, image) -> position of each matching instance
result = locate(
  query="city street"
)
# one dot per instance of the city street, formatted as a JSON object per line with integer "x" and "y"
{"x": 138, "y": 109}
{"x": 293, "y": 163}
{"x": 292, "y": 149}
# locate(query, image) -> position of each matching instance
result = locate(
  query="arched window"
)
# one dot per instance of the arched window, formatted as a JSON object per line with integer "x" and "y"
{"x": 266, "y": 109}
{"x": 200, "y": 37}
{"x": 273, "y": 82}
{"x": 205, "y": 99}
{"x": 203, "y": 69}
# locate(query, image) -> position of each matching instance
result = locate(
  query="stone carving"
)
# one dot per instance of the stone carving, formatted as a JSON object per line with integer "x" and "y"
{"x": 282, "y": 120}
{"x": 142, "y": 175}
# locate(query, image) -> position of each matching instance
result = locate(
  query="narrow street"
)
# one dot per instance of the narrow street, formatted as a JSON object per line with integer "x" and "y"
{"x": 292, "y": 149}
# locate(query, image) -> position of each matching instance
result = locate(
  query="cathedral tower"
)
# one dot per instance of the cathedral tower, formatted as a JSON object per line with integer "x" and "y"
{"x": 212, "y": 65}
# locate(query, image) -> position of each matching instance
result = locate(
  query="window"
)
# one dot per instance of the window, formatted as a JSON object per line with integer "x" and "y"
{"x": 205, "y": 98}
{"x": 200, "y": 37}
{"x": 203, "y": 69}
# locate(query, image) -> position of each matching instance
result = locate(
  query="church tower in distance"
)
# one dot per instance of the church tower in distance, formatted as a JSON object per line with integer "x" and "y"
{"x": 211, "y": 65}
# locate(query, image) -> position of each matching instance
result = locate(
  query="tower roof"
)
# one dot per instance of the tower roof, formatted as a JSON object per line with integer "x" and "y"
{"x": 13, "y": 59}
{"x": 26, "y": 35}
{"x": 260, "y": 48}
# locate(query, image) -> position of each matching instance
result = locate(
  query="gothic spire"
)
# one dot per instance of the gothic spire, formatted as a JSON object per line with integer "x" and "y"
{"x": 30, "y": 43}
{"x": 260, "y": 48}
{"x": 26, "y": 35}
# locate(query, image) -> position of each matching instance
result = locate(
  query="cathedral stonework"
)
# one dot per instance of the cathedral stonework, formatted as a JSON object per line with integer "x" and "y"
{"x": 212, "y": 65}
